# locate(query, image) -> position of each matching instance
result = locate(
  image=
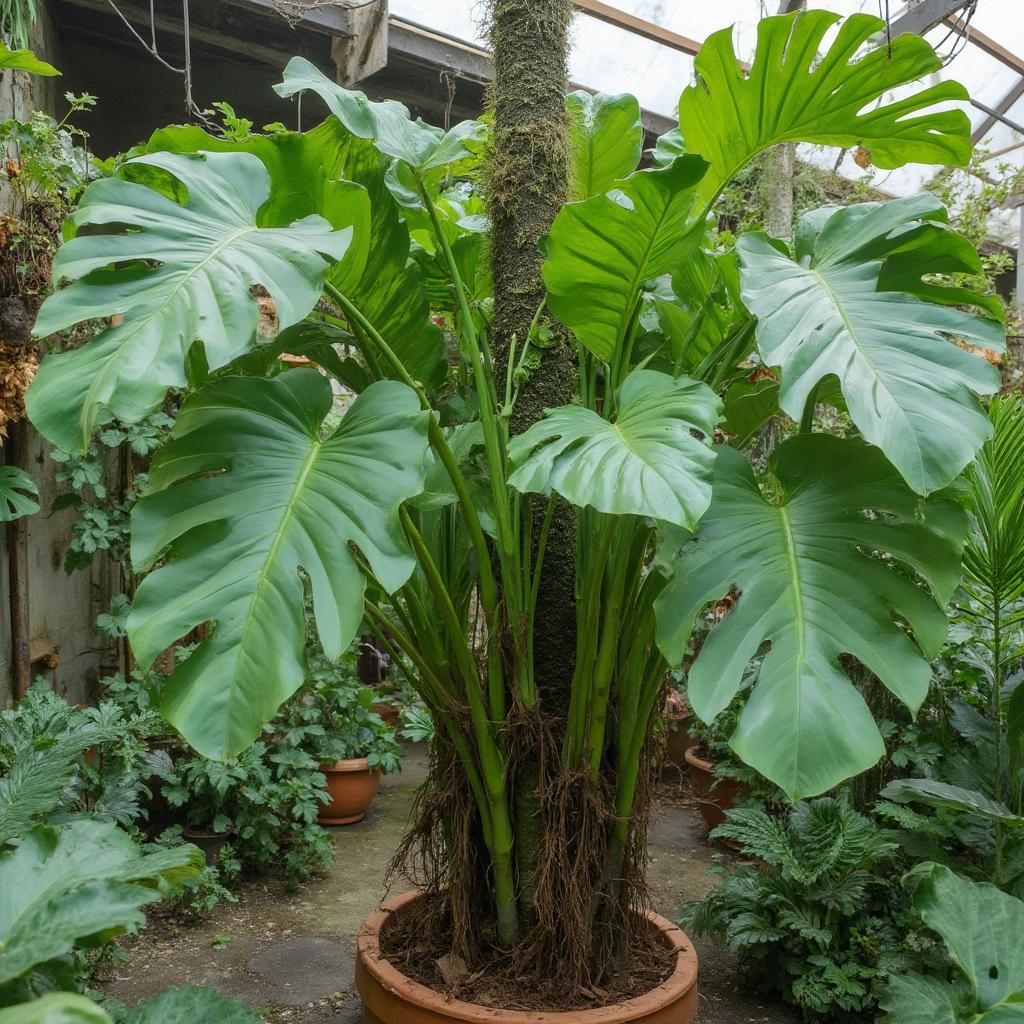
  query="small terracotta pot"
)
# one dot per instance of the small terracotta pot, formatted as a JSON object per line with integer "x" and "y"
{"x": 389, "y": 997}
{"x": 389, "y": 712}
{"x": 211, "y": 843}
{"x": 715, "y": 795}
{"x": 352, "y": 787}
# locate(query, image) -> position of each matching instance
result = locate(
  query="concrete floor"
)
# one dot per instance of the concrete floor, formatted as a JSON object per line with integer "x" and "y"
{"x": 289, "y": 955}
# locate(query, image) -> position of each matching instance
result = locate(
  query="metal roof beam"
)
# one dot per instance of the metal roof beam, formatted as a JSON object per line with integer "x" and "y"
{"x": 1000, "y": 108}
{"x": 920, "y": 18}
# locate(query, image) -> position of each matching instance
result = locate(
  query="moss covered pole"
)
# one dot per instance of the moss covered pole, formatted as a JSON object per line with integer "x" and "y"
{"x": 528, "y": 185}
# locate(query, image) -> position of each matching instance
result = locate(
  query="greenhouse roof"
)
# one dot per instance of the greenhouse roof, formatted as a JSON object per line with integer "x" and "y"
{"x": 984, "y": 51}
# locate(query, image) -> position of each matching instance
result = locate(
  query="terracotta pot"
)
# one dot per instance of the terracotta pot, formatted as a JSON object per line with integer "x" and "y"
{"x": 389, "y": 997}
{"x": 677, "y": 738}
{"x": 389, "y": 712}
{"x": 352, "y": 787}
{"x": 715, "y": 795}
{"x": 211, "y": 843}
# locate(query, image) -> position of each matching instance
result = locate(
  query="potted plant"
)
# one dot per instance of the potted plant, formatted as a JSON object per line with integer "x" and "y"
{"x": 203, "y": 790}
{"x": 537, "y": 574}
{"x": 357, "y": 747}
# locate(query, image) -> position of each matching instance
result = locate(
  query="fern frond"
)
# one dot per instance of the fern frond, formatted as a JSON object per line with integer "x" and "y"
{"x": 36, "y": 780}
{"x": 760, "y": 835}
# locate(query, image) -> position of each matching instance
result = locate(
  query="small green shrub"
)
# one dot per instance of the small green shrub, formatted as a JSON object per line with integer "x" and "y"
{"x": 823, "y": 920}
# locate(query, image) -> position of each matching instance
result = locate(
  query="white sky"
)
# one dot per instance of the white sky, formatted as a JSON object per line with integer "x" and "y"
{"x": 612, "y": 60}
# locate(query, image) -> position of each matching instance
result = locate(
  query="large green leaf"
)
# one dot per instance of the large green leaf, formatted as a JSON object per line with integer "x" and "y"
{"x": 178, "y": 273}
{"x": 56, "y": 1008}
{"x": 306, "y": 177}
{"x": 645, "y": 463}
{"x": 429, "y": 151}
{"x": 793, "y": 94}
{"x": 607, "y": 138}
{"x": 909, "y": 390}
{"x": 941, "y": 794}
{"x": 245, "y": 495}
{"x": 602, "y": 250}
{"x": 375, "y": 273}
{"x": 982, "y": 928}
{"x": 191, "y": 1004}
{"x": 813, "y": 574}
{"x": 79, "y": 883}
{"x": 18, "y": 493}
{"x": 24, "y": 60}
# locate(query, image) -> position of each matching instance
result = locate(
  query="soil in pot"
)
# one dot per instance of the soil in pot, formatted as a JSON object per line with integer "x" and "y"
{"x": 211, "y": 843}
{"x": 351, "y": 786}
{"x": 715, "y": 795}
{"x": 400, "y": 981}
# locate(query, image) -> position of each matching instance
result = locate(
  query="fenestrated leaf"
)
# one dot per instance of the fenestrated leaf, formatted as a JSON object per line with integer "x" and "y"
{"x": 981, "y": 927}
{"x": 18, "y": 493}
{"x": 375, "y": 273}
{"x": 84, "y": 881}
{"x": 56, "y": 1008}
{"x": 246, "y": 494}
{"x": 606, "y": 140}
{"x": 24, "y": 60}
{"x": 793, "y": 95}
{"x": 209, "y": 253}
{"x": 601, "y": 251}
{"x": 810, "y": 583}
{"x": 940, "y": 794}
{"x": 645, "y": 463}
{"x": 908, "y": 389}
{"x": 428, "y": 150}
{"x": 306, "y": 177}
{"x": 191, "y": 1004}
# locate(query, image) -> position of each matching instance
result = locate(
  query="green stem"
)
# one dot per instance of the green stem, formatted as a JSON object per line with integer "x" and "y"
{"x": 997, "y": 701}
{"x": 488, "y": 584}
{"x": 807, "y": 419}
{"x": 608, "y": 645}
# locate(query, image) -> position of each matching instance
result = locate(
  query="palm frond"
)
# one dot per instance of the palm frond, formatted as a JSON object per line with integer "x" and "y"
{"x": 994, "y": 556}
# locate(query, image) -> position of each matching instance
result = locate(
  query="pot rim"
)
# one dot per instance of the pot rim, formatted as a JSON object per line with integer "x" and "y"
{"x": 352, "y": 764}
{"x": 696, "y": 761}
{"x": 672, "y": 990}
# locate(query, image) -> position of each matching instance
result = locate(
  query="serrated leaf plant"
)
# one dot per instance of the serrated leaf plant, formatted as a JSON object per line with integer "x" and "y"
{"x": 432, "y": 517}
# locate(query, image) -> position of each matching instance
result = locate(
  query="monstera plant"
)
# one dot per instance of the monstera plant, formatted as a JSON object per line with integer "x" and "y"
{"x": 428, "y": 515}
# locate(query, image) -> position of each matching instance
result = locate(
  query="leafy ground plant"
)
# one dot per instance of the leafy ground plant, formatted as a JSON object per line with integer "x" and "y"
{"x": 822, "y": 919}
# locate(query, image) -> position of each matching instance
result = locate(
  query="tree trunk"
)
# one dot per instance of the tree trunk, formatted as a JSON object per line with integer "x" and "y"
{"x": 528, "y": 185}
{"x": 779, "y": 197}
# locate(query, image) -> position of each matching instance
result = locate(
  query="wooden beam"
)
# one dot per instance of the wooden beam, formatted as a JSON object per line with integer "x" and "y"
{"x": 638, "y": 26}
{"x": 988, "y": 45}
{"x": 171, "y": 25}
